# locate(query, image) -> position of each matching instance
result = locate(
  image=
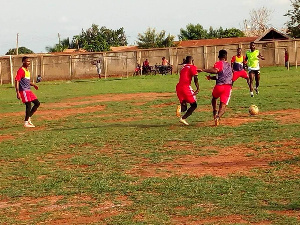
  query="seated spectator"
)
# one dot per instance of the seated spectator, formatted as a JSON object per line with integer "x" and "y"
{"x": 165, "y": 66}
{"x": 164, "y": 61}
{"x": 137, "y": 70}
{"x": 146, "y": 67}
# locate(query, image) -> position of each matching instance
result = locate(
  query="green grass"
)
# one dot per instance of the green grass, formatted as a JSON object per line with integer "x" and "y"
{"x": 89, "y": 159}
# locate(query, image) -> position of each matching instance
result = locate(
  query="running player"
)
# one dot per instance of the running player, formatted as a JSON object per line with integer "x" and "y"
{"x": 252, "y": 58}
{"x": 22, "y": 85}
{"x": 223, "y": 86}
{"x": 238, "y": 64}
{"x": 184, "y": 90}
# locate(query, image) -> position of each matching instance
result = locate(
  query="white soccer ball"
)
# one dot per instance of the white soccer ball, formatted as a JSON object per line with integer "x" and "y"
{"x": 253, "y": 110}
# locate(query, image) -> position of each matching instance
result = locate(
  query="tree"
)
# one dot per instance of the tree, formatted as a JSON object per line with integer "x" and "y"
{"x": 21, "y": 50}
{"x": 212, "y": 33}
{"x": 196, "y": 32}
{"x": 151, "y": 39}
{"x": 96, "y": 40}
{"x": 293, "y": 26}
{"x": 64, "y": 44}
{"x": 228, "y": 33}
{"x": 258, "y": 22}
{"x": 193, "y": 32}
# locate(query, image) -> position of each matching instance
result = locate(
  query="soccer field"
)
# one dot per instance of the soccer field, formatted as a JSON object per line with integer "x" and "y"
{"x": 113, "y": 152}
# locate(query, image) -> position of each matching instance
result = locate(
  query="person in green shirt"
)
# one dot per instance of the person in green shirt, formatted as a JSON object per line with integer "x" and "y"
{"x": 252, "y": 57}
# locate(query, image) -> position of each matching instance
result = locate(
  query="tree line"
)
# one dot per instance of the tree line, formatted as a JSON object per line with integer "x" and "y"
{"x": 98, "y": 39}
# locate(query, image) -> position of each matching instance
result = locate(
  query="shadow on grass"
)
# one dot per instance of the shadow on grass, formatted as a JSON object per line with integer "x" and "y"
{"x": 118, "y": 125}
{"x": 93, "y": 80}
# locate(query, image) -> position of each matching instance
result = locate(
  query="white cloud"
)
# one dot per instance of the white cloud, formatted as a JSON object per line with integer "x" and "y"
{"x": 64, "y": 19}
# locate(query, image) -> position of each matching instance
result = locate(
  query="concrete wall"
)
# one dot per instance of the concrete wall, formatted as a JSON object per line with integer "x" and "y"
{"x": 79, "y": 65}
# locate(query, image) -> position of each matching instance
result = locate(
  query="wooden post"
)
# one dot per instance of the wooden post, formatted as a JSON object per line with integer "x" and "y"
{"x": 205, "y": 57}
{"x": 1, "y": 73}
{"x": 140, "y": 62}
{"x": 170, "y": 56}
{"x": 42, "y": 66}
{"x": 177, "y": 61}
{"x": 70, "y": 67}
{"x": 215, "y": 53}
{"x": 36, "y": 65}
{"x": 32, "y": 72}
{"x": 105, "y": 72}
{"x": 276, "y": 53}
{"x": 11, "y": 70}
{"x": 126, "y": 67}
{"x": 296, "y": 61}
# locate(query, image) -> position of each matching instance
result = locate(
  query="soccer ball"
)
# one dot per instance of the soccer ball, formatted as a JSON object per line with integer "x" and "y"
{"x": 253, "y": 110}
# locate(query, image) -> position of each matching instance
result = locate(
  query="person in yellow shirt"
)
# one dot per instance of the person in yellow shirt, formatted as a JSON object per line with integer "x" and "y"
{"x": 238, "y": 64}
{"x": 252, "y": 58}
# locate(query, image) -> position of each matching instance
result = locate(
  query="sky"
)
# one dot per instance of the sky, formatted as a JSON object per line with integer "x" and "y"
{"x": 38, "y": 23}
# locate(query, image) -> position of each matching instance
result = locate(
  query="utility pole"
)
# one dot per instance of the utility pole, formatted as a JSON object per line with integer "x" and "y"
{"x": 59, "y": 42}
{"x": 17, "y": 48}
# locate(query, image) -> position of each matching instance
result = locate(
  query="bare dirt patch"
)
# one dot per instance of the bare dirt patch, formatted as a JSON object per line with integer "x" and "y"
{"x": 287, "y": 116}
{"x": 290, "y": 213}
{"x": 232, "y": 122}
{"x": 58, "y": 114}
{"x": 213, "y": 220}
{"x": 65, "y": 211}
{"x": 227, "y": 161}
{"x": 112, "y": 97}
{"x": 63, "y": 109}
{"x": 6, "y": 137}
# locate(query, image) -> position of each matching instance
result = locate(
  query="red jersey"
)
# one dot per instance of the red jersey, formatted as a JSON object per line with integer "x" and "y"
{"x": 186, "y": 74}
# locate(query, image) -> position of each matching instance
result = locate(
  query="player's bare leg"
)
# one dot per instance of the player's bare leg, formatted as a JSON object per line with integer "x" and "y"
{"x": 181, "y": 108}
{"x": 251, "y": 79}
{"x": 214, "y": 106}
{"x": 222, "y": 108}
{"x": 257, "y": 78}
{"x": 248, "y": 82}
{"x": 188, "y": 113}
{"x": 215, "y": 111}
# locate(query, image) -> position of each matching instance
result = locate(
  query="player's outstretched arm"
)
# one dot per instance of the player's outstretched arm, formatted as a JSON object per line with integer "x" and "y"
{"x": 261, "y": 57}
{"x": 211, "y": 70}
{"x": 196, "y": 84}
{"x": 208, "y": 77}
{"x": 17, "y": 89}
{"x": 35, "y": 86}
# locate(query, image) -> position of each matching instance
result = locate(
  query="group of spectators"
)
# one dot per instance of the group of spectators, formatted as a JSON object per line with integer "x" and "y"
{"x": 163, "y": 68}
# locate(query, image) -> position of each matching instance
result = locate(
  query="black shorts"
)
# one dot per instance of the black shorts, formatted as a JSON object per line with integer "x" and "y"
{"x": 256, "y": 72}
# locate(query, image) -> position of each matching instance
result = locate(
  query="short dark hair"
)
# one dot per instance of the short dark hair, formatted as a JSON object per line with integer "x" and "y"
{"x": 222, "y": 54}
{"x": 188, "y": 59}
{"x": 24, "y": 58}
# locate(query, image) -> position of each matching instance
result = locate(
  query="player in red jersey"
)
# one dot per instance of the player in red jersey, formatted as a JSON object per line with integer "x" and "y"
{"x": 223, "y": 86}
{"x": 184, "y": 90}
{"x": 22, "y": 85}
{"x": 238, "y": 64}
